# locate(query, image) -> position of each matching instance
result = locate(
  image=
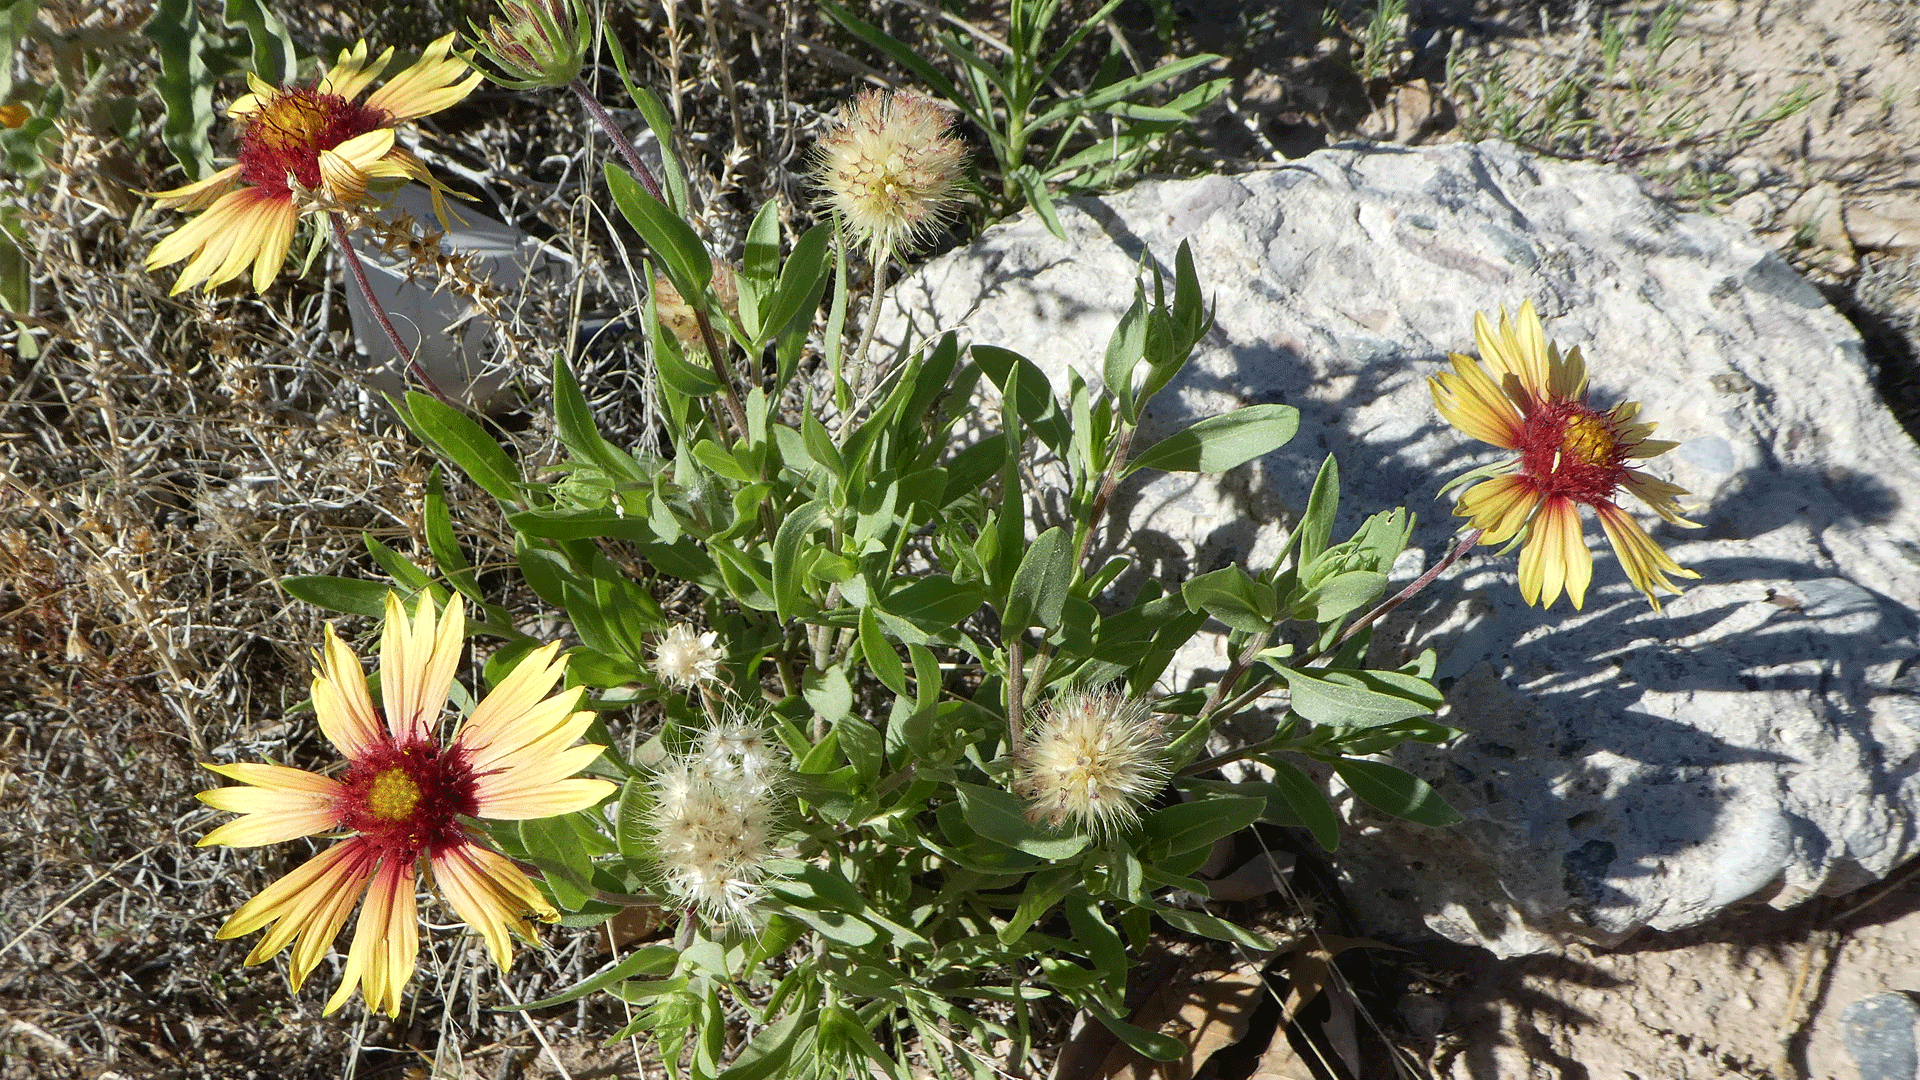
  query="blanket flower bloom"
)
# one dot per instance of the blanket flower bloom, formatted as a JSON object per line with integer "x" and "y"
{"x": 1533, "y": 402}
{"x": 317, "y": 139}
{"x": 401, "y": 802}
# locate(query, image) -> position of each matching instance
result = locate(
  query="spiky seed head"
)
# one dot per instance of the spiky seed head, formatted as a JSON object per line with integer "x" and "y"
{"x": 712, "y": 819}
{"x": 685, "y": 658}
{"x": 890, "y": 169}
{"x": 1091, "y": 758}
{"x": 535, "y": 43}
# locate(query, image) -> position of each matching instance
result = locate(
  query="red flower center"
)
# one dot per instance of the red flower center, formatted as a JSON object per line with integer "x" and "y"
{"x": 408, "y": 798}
{"x": 285, "y": 136}
{"x": 1569, "y": 450}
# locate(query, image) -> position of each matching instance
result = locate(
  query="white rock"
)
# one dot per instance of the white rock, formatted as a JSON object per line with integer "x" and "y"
{"x": 1620, "y": 768}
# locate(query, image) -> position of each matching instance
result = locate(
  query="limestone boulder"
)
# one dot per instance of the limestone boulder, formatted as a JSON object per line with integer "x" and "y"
{"x": 1621, "y": 768}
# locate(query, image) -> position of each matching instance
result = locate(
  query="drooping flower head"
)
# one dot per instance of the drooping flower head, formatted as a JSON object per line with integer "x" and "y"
{"x": 685, "y": 658}
{"x": 1533, "y": 402}
{"x": 401, "y": 800}
{"x": 1092, "y": 759}
{"x": 316, "y": 139}
{"x": 535, "y": 43}
{"x": 711, "y": 819}
{"x": 890, "y": 170}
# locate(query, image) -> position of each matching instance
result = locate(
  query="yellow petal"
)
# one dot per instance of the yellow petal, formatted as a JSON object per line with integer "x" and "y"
{"x": 351, "y": 73}
{"x": 417, "y": 659}
{"x": 198, "y": 195}
{"x": 304, "y": 893}
{"x": 432, "y": 84}
{"x": 1555, "y": 556}
{"x": 539, "y": 801}
{"x": 386, "y": 942}
{"x": 341, "y": 701}
{"x": 1501, "y": 505}
{"x": 1471, "y": 401}
{"x": 283, "y": 804}
{"x": 1647, "y": 564}
{"x": 491, "y": 895}
{"x": 1661, "y": 497}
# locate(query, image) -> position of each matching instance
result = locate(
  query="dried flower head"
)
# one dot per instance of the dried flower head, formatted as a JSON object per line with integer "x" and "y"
{"x": 1570, "y": 454}
{"x": 712, "y": 819}
{"x": 1092, "y": 758}
{"x": 535, "y": 43}
{"x": 890, "y": 169}
{"x": 316, "y": 139}
{"x": 403, "y": 804}
{"x": 684, "y": 658}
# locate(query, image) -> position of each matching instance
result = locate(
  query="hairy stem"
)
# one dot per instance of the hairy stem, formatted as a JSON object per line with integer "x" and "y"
{"x": 379, "y": 310}
{"x": 620, "y": 142}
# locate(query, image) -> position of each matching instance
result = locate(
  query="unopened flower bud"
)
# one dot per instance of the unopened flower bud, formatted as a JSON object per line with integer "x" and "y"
{"x": 535, "y": 43}
{"x": 890, "y": 169}
{"x": 1092, "y": 759}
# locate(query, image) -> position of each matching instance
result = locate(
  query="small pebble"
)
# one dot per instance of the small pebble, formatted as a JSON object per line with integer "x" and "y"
{"x": 1878, "y": 1031}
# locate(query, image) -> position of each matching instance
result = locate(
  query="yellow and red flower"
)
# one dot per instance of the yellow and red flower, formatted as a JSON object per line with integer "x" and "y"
{"x": 316, "y": 138}
{"x": 401, "y": 801}
{"x": 1534, "y": 403}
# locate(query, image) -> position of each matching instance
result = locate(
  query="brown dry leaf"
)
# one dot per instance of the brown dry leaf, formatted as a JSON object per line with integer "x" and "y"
{"x": 1207, "y": 1010}
{"x": 1307, "y": 971}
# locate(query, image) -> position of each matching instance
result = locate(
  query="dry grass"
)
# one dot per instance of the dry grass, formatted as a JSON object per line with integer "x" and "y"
{"x": 163, "y": 461}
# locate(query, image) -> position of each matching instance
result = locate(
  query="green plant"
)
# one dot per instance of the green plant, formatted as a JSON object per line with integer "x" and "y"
{"x": 1044, "y": 135}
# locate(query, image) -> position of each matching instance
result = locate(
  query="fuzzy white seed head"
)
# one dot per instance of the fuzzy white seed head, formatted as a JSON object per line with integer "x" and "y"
{"x": 684, "y": 658}
{"x": 1091, "y": 758}
{"x": 890, "y": 169}
{"x": 713, "y": 817}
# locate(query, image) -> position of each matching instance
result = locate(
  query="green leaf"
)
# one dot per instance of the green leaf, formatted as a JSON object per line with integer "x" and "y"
{"x": 681, "y": 252}
{"x": 759, "y": 261}
{"x": 350, "y": 596}
{"x": 789, "y": 579}
{"x": 397, "y": 566}
{"x": 573, "y": 422}
{"x": 934, "y": 604}
{"x": 1199, "y": 922}
{"x": 460, "y": 438}
{"x": 1194, "y": 825}
{"x": 828, "y": 692}
{"x": 769, "y": 1052}
{"x": 274, "y": 58}
{"x": 185, "y": 85}
{"x": 1043, "y": 890}
{"x": 1316, "y": 525}
{"x": 1307, "y": 801}
{"x": 1342, "y": 701}
{"x": 881, "y": 659}
{"x": 998, "y": 816}
{"x": 1034, "y": 399}
{"x": 802, "y": 280}
{"x": 1040, "y": 586}
{"x": 1219, "y": 443}
{"x": 1395, "y": 791}
{"x": 1234, "y": 597}
{"x": 1341, "y": 595}
{"x": 1149, "y": 1044}
{"x": 1124, "y": 351}
{"x": 1095, "y": 938}
{"x": 899, "y": 53}
{"x": 445, "y": 547}
{"x": 656, "y": 959}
